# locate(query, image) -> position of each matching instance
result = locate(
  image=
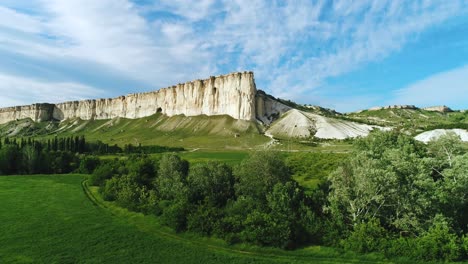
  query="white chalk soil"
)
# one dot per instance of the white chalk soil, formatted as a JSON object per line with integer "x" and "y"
{"x": 300, "y": 124}
{"x": 437, "y": 133}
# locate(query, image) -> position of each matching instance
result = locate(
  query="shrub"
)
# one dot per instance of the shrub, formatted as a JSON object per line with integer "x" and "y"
{"x": 88, "y": 164}
{"x": 366, "y": 237}
{"x": 204, "y": 219}
{"x": 110, "y": 189}
{"x": 101, "y": 174}
{"x": 174, "y": 214}
{"x": 438, "y": 243}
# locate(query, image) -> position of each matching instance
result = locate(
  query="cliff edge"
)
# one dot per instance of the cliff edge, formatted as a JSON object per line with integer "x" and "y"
{"x": 233, "y": 94}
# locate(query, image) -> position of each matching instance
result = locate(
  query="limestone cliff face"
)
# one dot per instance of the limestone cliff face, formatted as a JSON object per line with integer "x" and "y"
{"x": 232, "y": 94}
{"x": 37, "y": 112}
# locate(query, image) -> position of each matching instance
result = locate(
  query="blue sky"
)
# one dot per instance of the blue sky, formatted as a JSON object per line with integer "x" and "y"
{"x": 343, "y": 54}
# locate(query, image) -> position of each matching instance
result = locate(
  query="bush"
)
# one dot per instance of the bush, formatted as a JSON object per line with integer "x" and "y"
{"x": 148, "y": 202}
{"x": 438, "y": 243}
{"x": 262, "y": 229}
{"x": 88, "y": 164}
{"x": 101, "y": 174}
{"x": 204, "y": 219}
{"x": 366, "y": 237}
{"x": 174, "y": 214}
{"x": 110, "y": 189}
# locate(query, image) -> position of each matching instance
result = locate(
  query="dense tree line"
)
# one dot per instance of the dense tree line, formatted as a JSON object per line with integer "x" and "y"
{"x": 392, "y": 195}
{"x": 60, "y": 155}
{"x": 32, "y": 157}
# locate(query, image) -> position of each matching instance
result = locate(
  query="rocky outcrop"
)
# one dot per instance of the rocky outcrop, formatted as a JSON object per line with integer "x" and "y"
{"x": 268, "y": 108}
{"x": 412, "y": 107}
{"x": 442, "y": 109}
{"x": 232, "y": 94}
{"x": 37, "y": 112}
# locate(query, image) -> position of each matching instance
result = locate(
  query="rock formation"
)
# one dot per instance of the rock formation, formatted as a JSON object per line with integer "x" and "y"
{"x": 412, "y": 107}
{"x": 232, "y": 94}
{"x": 268, "y": 108}
{"x": 442, "y": 109}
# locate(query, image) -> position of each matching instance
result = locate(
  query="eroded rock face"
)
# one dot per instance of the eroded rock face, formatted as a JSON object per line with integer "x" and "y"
{"x": 268, "y": 109}
{"x": 37, "y": 112}
{"x": 232, "y": 94}
{"x": 442, "y": 109}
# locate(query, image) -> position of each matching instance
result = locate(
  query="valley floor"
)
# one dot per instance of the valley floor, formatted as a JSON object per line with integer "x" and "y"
{"x": 57, "y": 219}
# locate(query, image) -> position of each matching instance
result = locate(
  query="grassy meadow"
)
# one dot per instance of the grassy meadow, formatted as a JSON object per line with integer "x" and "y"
{"x": 55, "y": 219}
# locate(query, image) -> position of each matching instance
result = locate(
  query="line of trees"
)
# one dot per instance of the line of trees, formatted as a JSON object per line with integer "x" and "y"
{"x": 392, "y": 195}
{"x": 60, "y": 154}
{"x": 24, "y": 158}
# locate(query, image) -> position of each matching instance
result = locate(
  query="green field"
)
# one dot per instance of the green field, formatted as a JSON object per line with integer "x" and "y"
{"x": 51, "y": 219}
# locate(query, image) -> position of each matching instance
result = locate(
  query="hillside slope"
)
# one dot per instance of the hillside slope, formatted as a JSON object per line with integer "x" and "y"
{"x": 190, "y": 132}
{"x": 301, "y": 124}
{"x": 413, "y": 121}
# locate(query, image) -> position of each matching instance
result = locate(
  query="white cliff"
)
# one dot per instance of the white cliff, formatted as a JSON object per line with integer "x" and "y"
{"x": 232, "y": 94}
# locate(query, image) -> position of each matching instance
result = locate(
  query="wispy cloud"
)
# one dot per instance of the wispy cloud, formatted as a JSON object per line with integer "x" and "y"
{"x": 445, "y": 88}
{"x": 293, "y": 46}
{"x": 18, "y": 90}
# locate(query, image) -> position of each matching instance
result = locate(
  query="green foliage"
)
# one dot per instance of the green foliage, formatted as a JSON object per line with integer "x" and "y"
{"x": 88, "y": 164}
{"x": 211, "y": 182}
{"x": 438, "y": 243}
{"x": 365, "y": 237}
{"x": 445, "y": 149}
{"x": 30, "y": 159}
{"x": 417, "y": 194}
{"x": 110, "y": 189}
{"x": 452, "y": 192}
{"x": 143, "y": 170}
{"x": 204, "y": 219}
{"x": 386, "y": 177}
{"x": 258, "y": 174}
{"x": 101, "y": 174}
{"x": 311, "y": 168}
{"x": 175, "y": 214}
{"x": 170, "y": 182}
{"x": 9, "y": 157}
{"x": 261, "y": 228}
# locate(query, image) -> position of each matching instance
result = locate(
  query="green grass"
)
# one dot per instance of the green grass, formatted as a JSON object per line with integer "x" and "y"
{"x": 50, "y": 219}
{"x": 229, "y": 157}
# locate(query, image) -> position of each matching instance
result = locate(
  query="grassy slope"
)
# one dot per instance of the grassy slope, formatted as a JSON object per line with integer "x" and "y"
{"x": 412, "y": 120}
{"x": 220, "y": 132}
{"x": 49, "y": 219}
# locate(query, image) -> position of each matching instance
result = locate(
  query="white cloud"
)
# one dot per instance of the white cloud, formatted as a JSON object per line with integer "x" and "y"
{"x": 363, "y": 32}
{"x": 446, "y": 88}
{"x": 15, "y": 20}
{"x": 293, "y": 46}
{"x": 18, "y": 90}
